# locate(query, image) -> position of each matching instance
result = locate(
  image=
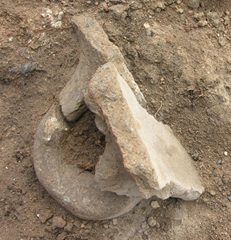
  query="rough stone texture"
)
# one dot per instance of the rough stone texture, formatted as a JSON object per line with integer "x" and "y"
{"x": 194, "y": 4}
{"x": 96, "y": 50}
{"x": 44, "y": 215}
{"x": 78, "y": 193}
{"x": 58, "y": 222}
{"x": 68, "y": 227}
{"x": 142, "y": 156}
{"x": 152, "y": 222}
{"x": 118, "y": 11}
{"x": 155, "y": 204}
{"x": 169, "y": 2}
{"x": 213, "y": 18}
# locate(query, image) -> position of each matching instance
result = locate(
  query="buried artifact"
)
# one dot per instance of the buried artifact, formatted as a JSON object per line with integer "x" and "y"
{"x": 142, "y": 157}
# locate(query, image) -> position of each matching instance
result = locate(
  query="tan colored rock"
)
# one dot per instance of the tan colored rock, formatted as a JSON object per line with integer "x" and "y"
{"x": 96, "y": 50}
{"x": 58, "y": 222}
{"x": 142, "y": 156}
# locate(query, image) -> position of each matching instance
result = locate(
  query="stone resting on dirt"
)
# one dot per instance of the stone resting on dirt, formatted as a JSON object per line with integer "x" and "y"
{"x": 142, "y": 157}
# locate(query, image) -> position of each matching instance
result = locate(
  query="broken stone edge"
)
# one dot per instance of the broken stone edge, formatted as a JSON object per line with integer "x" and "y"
{"x": 161, "y": 177}
{"x": 78, "y": 193}
{"x": 95, "y": 50}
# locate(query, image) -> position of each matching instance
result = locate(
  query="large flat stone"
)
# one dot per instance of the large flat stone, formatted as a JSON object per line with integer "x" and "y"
{"x": 142, "y": 156}
{"x": 95, "y": 50}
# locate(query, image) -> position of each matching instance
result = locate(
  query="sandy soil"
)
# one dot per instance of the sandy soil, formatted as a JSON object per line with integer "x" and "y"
{"x": 179, "y": 56}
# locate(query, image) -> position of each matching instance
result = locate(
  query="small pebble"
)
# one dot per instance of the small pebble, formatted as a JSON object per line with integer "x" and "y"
{"x": 23, "y": 69}
{"x": 140, "y": 6}
{"x": 213, "y": 193}
{"x": 61, "y": 236}
{"x": 114, "y": 221}
{"x": 226, "y": 20}
{"x": 157, "y": 225}
{"x": 144, "y": 225}
{"x": 119, "y": 11}
{"x": 219, "y": 162}
{"x": 105, "y": 7}
{"x": 180, "y": 10}
{"x": 226, "y": 153}
{"x": 160, "y": 6}
{"x": 58, "y": 222}
{"x": 44, "y": 216}
{"x": 68, "y": 227}
{"x": 198, "y": 16}
{"x": 96, "y": 224}
{"x": 146, "y": 25}
{"x": 195, "y": 156}
{"x": 105, "y": 225}
{"x": 213, "y": 18}
{"x": 152, "y": 222}
{"x": 193, "y": 4}
{"x": 169, "y": 2}
{"x": 89, "y": 226}
{"x": 155, "y": 204}
{"x": 146, "y": 233}
{"x": 202, "y": 23}
{"x": 229, "y": 197}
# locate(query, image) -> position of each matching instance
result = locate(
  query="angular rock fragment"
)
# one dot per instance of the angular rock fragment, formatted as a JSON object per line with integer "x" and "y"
{"x": 142, "y": 156}
{"x": 118, "y": 11}
{"x": 193, "y": 4}
{"x": 213, "y": 18}
{"x": 96, "y": 50}
{"x": 58, "y": 222}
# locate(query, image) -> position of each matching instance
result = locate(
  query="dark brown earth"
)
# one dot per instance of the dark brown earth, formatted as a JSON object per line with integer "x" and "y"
{"x": 184, "y": 71}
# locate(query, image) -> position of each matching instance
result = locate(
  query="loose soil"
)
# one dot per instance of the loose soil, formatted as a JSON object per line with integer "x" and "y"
{"x": 180, "y": 58}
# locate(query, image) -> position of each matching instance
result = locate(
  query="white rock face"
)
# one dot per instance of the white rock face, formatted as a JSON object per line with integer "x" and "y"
{"x": 142, "y": 156}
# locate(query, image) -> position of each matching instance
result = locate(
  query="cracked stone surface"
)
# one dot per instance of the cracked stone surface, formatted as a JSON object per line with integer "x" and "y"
{"x": 96, "y": 50}
{"x": 142, "y": 156}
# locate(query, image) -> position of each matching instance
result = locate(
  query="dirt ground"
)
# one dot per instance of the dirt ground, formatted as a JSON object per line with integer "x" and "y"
{"x": 181, "y": 59}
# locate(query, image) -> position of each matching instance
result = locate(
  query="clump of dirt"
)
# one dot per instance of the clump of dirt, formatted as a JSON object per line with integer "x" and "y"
{"x": 85, "y": 144}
